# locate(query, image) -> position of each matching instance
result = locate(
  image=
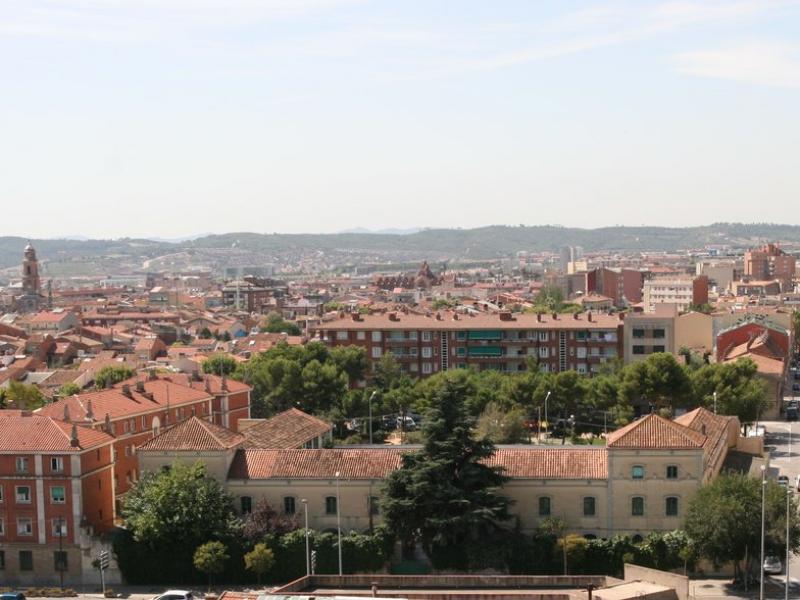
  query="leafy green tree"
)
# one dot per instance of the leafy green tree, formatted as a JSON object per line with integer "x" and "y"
{"x": 502, "y": 427}
{"x": 739, "y": 390}
{"x": 659, "y": 380}
{"x": 386, "y": 372}
{"x": 24, "y": 396}
{"x": 445, "y": 496}
{"x": 724, "y": 520}
{"x": 275, "y": 323}
{"x": 210, "y": 558}
{"x": 264, "y": 521}
{"x": 220, "y": 364}
{"x": 550, "y": 297}
{"x": 259, "y": 560}
{"x": 69, "y": 389}
{"x": 352, "y": 360}
{"x": 205, "y": 334}
{"x": 111, "y": 375}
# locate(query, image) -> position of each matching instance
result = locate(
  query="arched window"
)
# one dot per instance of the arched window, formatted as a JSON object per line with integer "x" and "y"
{"x": 156, "y": 425}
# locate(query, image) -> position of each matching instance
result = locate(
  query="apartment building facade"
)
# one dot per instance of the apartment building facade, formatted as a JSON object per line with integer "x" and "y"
{"x": 770, "y": 262}
{"x": 56, "y": 482}
{"x": 682, "y": 291}
{"x": 428, "y": 344}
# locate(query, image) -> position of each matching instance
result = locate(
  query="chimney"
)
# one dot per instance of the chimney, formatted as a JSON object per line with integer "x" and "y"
{"x": 438, "y": 316}
{"x": 66, "y": 412}
{"x": 455, "y": 316}
{"x": 89, "y": 411}
{"x": 393, "y": 316}
{"x": 151, "y": 374}
{"x": 73, "y": 438}
{"x": 538, "y": 317}
{"x": 621, "y": 316}
{"x": 555, "y": 316}
{"x": 574, "y": 316}
{"x": 224, "y": 383}
{"x": 126, "y": 390}
{"x": 355, "y": 316}
{"x": 506, "y": 316}
{"x": 589, "y": 316}
{"x": 108, "y": 424}
{"x": 207, "y": 386}
{"x": 140, "y": 386}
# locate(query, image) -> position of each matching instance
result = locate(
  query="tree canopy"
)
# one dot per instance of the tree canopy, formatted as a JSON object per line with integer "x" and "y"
{"x": 111, "y": 375}
{"x": 220, "y": 364}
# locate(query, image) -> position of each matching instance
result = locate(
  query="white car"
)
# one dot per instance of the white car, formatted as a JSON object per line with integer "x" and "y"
{"x": 797, "y": 483}
{"x": 773, "y": 565}
{"x": 175, "y": 595}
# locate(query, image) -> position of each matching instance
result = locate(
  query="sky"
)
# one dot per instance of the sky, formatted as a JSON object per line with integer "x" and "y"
{"x": 170, "y": 118}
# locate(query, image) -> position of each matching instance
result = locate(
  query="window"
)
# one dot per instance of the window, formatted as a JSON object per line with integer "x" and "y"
{"x": 127, "y": 450}
{"x": 376, "y": 336}
{"x": 671, "y": 506}
{"x": 413, "y": 367}
{"x": 57, "y": 464}
{"x": 341, "y": 335}
{"x": 637, "y": 472}
{"x": 60, "y": 560}
{"x": 25, "y": 560}
{"x": 374, "y": 505}
{"x": 461, "y": 335}
{"x": 638, "y": 349}
{"x": 24, "y": 526}
{"x": 23, "y": 494}
{"x": 658, "y": 333}
{"x": 2, "y": 560}
{"x": 413, "y": 351}
{"x": 376, "y": 352}
{"x": 22, "y": 464}
{"x": 2, "y": 527}
{"x": 427, "y": 368}
{"x": 412, "y": 335}
{"x": 544, "y": 506}
{"x": 672, "y": 472}
{"x": 637, "y": 506}
{"x": 288, "y": 505}
{"x": 427, "y": 336}
{"x": 133, "y": 424}
{"x": 57, "y": 495}
{"x": 361, "y": 335}
{"x": 246, "y": 504}
{"x": 544, "y": 352}
{"x": 543, "y": 336}
{"x": 59, "y": 527}
{"x": 638, "y": 332}
{"x": 144, "y": 422}
{"x": 589, "y": 507}
{"x": 659, "y": 348}
{"x": 1, "y": 492}
{"x": 427, "y": 352}
{"x": 582, "y": 369}
{"x": 581, "y": 353}
{"x": 330, "y": 505}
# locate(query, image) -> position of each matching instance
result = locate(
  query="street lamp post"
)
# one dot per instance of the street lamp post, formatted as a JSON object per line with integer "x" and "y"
{"x": 715, "y": 402}
{"x": 371, "y": 398}
{"x": 763, "y": 513}
{"x": 61, "y": 551}
{"x": 546, "y": 422}
{"x": 339, "y": 523}
{"x": 308, "y": 553}
{"x": 788, "y": 504}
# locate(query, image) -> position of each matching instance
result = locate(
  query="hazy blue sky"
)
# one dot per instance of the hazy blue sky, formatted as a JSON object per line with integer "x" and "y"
{"x": 174, "y": 117}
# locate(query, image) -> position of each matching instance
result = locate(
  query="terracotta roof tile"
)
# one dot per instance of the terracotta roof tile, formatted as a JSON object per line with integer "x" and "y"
{"x": 42, "y": 434}
{"x": 654, "y": 431}
{"x": 552, "y": 463}
{"x": 194, "y": 434}
{"x": 290, "y": 429}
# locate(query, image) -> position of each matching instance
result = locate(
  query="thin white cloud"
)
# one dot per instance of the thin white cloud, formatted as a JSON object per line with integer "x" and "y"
{"x": 754, "y": 63}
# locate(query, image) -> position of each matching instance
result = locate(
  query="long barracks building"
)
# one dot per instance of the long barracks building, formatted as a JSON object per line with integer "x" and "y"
{"x": 504, "y": 341}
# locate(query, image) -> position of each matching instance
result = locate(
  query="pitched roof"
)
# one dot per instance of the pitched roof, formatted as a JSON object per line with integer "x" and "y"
{"x": 655, "y": 432}
{"x": 290, "y": 429}
{"x": 552, "y": 463}
{"x": 194, "y": 434}
{"x": 37, "y": 433}
{"x": 351, "y": 463}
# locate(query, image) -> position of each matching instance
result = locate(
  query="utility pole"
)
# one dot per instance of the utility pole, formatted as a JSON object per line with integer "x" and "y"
{"x": 763, "y": 512}
{"x": 308, "y": 554}
{"x": 339, "y": 523}
{"x": 371, "y": 398}
{"x": 546, "y": 422}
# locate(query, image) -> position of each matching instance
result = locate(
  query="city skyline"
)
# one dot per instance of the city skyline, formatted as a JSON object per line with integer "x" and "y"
{"x": 157, "y": 119}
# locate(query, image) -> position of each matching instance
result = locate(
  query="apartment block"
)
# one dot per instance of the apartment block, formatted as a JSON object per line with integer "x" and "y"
{"x": 682, "y": 291}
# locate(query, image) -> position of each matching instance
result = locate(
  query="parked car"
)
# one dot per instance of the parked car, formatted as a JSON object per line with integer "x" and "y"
{"x": 797, "y": 483}
{"x": 175, "y": 595}
{"x": 12, "y": 596}
{"x": 406, "y": 423}
{"x": 783, "y": 480}
{"x": 791, "y": 413}
{"x": 796, "y": 387}
{"x": 773, "y": 565}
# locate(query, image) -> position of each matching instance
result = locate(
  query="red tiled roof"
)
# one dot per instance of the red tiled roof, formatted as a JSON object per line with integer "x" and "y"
{"x": 654, "y": 431}
{"x": 214, "y": 383}
{"x": 194, "y": 434}
{"x": 552, "y": 463}
{"x": 351, "y": 463}
{"x": 42, "y": 434}
{"x": 116, "y": 404}
{"x": 479, "y": 321}
{"x": 290, "y": 429}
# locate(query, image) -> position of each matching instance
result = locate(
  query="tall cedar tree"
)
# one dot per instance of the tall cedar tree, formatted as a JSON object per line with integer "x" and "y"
{"x": 446, "y": 497}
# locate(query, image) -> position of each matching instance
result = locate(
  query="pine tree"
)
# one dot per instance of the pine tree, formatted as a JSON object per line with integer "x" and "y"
{"x": 446, "y": 497}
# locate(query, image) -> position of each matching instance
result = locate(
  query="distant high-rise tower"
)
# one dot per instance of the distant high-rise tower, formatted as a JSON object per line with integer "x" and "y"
{"x": 31, "y": 283}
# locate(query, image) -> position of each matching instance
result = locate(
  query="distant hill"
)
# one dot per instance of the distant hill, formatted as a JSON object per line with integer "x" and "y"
{"x": 437, "y": 244}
